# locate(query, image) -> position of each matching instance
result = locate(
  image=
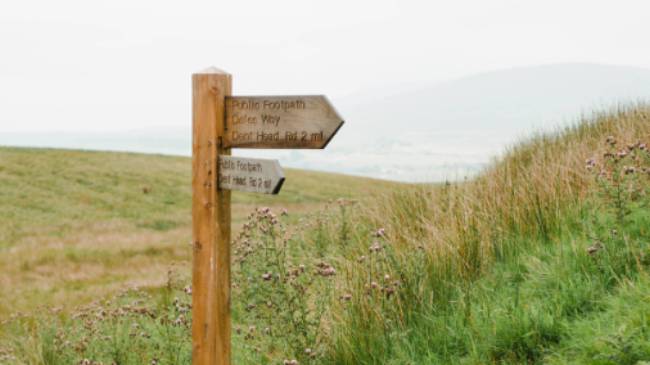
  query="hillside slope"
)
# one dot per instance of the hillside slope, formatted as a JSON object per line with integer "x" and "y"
{"x": 76, "y": 225}
{"x": 543, "y": 258}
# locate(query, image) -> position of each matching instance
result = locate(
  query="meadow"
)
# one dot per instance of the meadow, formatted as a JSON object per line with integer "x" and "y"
{"x": 540, "y": 259}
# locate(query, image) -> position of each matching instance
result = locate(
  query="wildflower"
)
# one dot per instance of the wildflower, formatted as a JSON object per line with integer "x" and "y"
{"x": 642, "y": 146}
{"x": 375, "y": 247}
{"x": 346, "y": 297}
{"x": 362, "y": 258}
{"x": 621, "y": 154}
{"x": 327, "y": 271}
{"x": 381, "y": 232}
{"x": 267, "y": 276}
{"x": 629, "y": 170}
{"x": 284, "y": 212}
{"x": 590, "y": 163}
{"x": 594, "y": 248}
{"x": 389, "y": 290}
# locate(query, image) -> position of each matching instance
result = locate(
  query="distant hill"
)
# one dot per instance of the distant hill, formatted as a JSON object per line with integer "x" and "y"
{"x": 432, "y": 132}
{"x": 453, "y": 127}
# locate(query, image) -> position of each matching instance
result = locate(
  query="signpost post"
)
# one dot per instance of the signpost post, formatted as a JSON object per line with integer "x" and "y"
{"x": 220, "y": 122}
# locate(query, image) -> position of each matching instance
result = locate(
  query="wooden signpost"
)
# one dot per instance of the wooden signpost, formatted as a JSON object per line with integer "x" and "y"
{"x": 220, "y": 122}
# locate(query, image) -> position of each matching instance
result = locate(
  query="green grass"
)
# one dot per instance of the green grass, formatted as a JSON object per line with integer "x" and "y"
{"x": 538, "y": 260}
{"x": 69, "y": 218}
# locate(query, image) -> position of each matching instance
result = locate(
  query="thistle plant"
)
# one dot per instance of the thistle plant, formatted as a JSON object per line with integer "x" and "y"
{"x": 284, "y": 298}
{"x": 622, "y": 175}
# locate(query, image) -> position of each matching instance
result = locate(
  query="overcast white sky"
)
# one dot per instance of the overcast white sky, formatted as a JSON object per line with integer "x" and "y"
{"x": 80, "y": 65}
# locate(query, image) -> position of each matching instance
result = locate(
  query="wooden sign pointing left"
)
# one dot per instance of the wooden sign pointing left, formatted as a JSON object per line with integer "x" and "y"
{"x": 253, "y": 175}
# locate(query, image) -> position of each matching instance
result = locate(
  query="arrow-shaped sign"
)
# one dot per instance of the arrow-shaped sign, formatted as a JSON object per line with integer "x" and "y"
{"x": 280, "y": 122}
{"x": 254, "y": 175}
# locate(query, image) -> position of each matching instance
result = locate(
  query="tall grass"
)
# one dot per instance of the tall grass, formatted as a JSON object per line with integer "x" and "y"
{"x": 445, "y": 240}
{"x": 532, "y": 261}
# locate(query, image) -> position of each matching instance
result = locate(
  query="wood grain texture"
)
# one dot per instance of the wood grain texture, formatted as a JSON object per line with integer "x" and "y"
{"x": 300, "y": 121}
{"x": 253, "y": 175}
{"x": 211, "y": 326}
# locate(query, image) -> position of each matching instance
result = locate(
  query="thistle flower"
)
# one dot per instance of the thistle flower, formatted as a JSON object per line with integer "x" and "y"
{"x": 375, "y": 247}
{"x": 327, "y": 271}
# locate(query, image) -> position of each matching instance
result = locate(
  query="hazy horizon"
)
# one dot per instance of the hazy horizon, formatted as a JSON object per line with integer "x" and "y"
{"x": 116, "y": 75}
{"x": 454, "y": 128}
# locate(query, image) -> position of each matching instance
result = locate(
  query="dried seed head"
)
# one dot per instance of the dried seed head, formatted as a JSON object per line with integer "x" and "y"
{"x": 375, "y": 247}
{"x": 389, "y": 290}
{"x": 327, "y": 271}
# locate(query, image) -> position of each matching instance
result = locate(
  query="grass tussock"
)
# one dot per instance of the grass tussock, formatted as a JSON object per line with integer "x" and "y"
{"x": 494, "y": 269}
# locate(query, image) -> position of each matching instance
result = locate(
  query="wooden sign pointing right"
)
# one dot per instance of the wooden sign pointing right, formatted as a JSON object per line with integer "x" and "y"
{"x": 253, "y": 175}
{"x": 280, "y": 122}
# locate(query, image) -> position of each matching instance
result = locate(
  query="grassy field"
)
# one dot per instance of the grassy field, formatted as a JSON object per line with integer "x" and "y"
{"x": 541, "y": 259}
{"x": 77, "y": 225}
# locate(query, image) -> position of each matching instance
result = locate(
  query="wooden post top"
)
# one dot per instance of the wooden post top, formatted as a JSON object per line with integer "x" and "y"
{"x": 211, "y": 70}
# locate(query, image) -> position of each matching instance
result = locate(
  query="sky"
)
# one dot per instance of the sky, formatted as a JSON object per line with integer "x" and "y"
{"x": 79, "y": 65}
